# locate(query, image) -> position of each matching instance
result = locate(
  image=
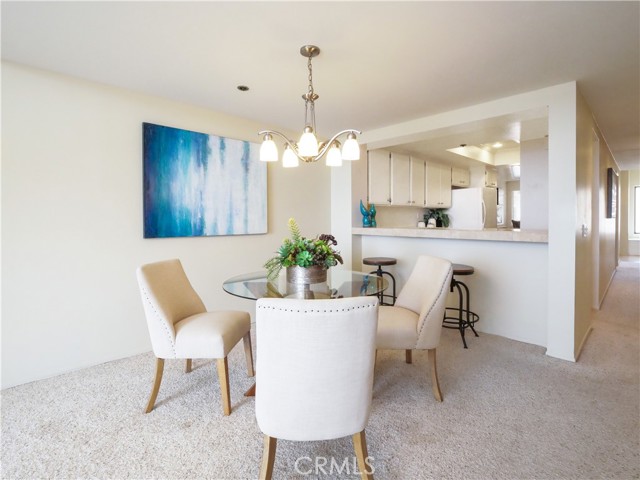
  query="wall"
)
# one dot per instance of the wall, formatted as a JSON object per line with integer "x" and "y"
{"x": 72, "y": 221}
{"x": 597, "y": 252}
{"x": 559, "y": 264}
{"x": 608, "y": 235}
{"x": 534, "y": 184}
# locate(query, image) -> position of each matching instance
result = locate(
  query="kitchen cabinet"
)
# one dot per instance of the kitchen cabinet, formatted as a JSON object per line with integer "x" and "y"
{"x": 395, "y": 179}
{"x": 460, "y": 177}
{"x": 418, "y": 179}
{"x": 490, "y": 177}
{"x": 438, "y": 185}
{"x": 400, "y": 179}
{"x": 379, "y": 176}
{"x": 407, "y": 180}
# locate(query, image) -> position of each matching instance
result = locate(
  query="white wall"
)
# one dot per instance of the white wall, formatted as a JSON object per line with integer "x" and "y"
{"x": 72, "y": 221}
{"x": 534, "y": 184}
{"x": 560, "y": 262}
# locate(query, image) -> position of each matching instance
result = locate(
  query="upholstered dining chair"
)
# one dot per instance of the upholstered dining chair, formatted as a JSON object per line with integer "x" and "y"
{"x": 414, "y": 322}
{"x": 180, "y": 326}
{"x": 314, "y": 375}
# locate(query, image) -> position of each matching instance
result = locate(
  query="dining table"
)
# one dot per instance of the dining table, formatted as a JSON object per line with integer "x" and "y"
{"x": 340, "y": 283}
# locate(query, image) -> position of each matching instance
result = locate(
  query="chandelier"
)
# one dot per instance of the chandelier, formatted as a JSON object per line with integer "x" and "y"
{"x": 308, "y": 149}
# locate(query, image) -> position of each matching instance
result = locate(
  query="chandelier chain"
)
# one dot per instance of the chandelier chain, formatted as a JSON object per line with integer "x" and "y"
{"x": 309, "y": 100}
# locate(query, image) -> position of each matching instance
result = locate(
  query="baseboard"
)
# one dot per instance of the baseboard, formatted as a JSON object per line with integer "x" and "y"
{"x": 606, "y": 290}
{"x": 582, "y": 343}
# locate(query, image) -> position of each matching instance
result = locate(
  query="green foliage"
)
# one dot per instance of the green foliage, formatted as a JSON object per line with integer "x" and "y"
{"x": 303, "y": 252}
{"x": 439, "y": 214}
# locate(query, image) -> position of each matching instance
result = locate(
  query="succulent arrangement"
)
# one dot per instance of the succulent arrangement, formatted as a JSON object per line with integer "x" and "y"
{"x": 303, "y": 252}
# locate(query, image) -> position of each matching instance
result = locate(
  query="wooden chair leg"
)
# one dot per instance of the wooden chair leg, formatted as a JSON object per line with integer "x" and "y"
{"x": 435, "y": 385}
{"x": 156, "y": 384}
{"x": 360, "y": 447}
{"x": 248, "y": 354}
{"x": 268, "y": 457}
{"x": 223, "y": 375}
{"x": 187, "y": 367}
{"x": 407, "y": 354}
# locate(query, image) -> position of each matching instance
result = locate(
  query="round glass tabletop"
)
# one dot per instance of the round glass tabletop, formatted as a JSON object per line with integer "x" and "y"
{"x": 340, "y": 284}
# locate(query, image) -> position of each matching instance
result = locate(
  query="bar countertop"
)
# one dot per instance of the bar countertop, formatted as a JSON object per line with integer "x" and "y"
{"x": 488, "y": 234}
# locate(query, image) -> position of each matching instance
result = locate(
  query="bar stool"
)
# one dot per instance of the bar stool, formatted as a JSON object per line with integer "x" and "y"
{"x": 461, "y": 317}
{"x": 383, "y": 262}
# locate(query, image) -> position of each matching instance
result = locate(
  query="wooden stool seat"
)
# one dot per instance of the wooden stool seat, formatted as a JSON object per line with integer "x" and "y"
{"x": 460, "y": 269}
{"x": 379, "y": 261}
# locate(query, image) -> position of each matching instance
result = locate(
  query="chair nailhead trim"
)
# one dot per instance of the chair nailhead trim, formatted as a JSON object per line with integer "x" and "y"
{"x": 162, "y": 321}
{"x": 316, "y": 311}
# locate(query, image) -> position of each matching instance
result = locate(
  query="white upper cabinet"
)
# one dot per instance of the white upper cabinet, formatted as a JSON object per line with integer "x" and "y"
{"x": 379, "y": 185}
{"x": 460, "y": 177}
{"x": 438, "y": 185}
{"x": 490, "y": 177}
{"x": 395, "y": 179}
{"x": 400, "y": 179}
{"x": 417, "y": 183}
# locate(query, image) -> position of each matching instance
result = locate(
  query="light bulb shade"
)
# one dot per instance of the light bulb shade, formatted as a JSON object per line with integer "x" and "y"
{"x": 334, "y": 158}
{"x": 289, "y": 159}
{"x": 268, "y": 150}
{"x": 351, "y": 149}
{"x": 308, "y": 144}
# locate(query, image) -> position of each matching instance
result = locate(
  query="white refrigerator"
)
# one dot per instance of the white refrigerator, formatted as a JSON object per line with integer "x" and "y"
{"x": 473, "y": 208}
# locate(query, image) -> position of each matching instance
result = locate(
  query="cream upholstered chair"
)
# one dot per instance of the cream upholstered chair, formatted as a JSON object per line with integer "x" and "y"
{"x": 415, "y": 321}
{"x": 314, "y": 372}
{"x": 180, "y": 326}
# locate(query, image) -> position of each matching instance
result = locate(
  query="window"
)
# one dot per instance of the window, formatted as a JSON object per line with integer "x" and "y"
{"x": 636, "y": 209}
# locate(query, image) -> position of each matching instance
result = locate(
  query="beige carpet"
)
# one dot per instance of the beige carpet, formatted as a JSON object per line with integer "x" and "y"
{"x": 509, "y": 412}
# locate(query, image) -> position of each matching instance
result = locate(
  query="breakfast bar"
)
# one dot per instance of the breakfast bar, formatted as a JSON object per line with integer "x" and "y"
{"x": 511, "y": 266}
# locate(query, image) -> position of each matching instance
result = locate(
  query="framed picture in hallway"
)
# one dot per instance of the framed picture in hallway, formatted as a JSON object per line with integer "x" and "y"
{"x": 612, "y": 192}
{"x": 196, "y": 184}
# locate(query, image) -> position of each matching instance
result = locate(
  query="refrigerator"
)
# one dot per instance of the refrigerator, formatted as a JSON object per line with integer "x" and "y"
{"x": 473, "y": 208}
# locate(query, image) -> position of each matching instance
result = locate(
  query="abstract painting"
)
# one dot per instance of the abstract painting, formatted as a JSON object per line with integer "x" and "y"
{"x": 197, "y": 184}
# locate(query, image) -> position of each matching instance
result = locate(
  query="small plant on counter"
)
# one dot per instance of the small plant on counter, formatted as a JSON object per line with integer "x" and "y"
{"x": 303, "y": 252}
{"x": 440, "y": 215}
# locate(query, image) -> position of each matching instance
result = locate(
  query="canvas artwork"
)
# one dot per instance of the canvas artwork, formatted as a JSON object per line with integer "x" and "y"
{"x": 197, "y": 184}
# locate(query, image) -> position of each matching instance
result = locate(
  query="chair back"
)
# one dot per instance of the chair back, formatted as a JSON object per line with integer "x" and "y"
{"x": 167, "y": 297}
{"x": 314, "y": 369}
{"x": 425, "y": 293}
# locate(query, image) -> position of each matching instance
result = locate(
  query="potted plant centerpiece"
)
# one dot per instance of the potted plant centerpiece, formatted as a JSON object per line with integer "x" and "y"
{"x": 306, "y": 260}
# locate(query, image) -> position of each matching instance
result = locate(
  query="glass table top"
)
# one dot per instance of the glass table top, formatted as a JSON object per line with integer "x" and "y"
{"x": 340, "y": 284}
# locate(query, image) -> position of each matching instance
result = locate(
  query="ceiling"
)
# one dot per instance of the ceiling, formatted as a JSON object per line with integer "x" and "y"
{"x": 381, "y": 63}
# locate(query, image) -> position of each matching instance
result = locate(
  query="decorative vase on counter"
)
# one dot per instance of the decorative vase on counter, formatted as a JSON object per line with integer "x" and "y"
{"x": 366, "y": 215}
{"x": 372, "y": 214}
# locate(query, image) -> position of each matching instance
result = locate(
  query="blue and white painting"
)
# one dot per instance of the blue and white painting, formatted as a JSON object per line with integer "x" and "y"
{"x": 201, "y": 185}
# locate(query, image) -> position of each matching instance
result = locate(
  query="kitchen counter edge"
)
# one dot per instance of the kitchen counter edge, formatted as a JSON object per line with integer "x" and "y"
{"x": 496, "y": 235}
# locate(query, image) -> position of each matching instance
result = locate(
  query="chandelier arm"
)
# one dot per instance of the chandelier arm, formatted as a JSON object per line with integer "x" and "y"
{"x": 289, "y": 142}
{"x": 328, "y": 144}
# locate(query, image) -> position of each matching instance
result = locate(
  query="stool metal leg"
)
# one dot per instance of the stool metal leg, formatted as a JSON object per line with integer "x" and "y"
{"x": 379, "y": 272}
{"x": 461, "y": 321}
{"x": 470, "y": 321}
